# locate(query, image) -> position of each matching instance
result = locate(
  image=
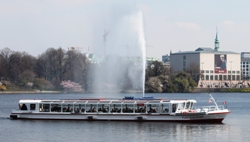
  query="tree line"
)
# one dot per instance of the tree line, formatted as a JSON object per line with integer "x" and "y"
{"x": 50, "y": 70}
{"x": 20, "y": 70}
{"x": 164, "y": 79}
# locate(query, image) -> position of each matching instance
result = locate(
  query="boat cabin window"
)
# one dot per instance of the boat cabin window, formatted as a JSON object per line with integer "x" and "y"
{"x": 23, "y": 107}
{"x": 115, "y": 108}
{"x": 189, "y": 105}
{"x": 103, "y": 108}
{"x": 192, "y": 105}
{"x": 140, "y": 108}
{"x": 32, "y": 106}
{"x": 174, "y": 108}
{"x": 55, "y": 107}
{"x": 83, "y": 109}
{"x": 77, "y": 108}
{"x": 67, "y": 107}
{"x": 153, "y": 108}
{"x": 127, "y": 108}
{"x": 91, "y": 107}
{"x": 165, "y": 108}
{"x": 44, "y": 107}
{"x": 180, "y": 106}
{"x": 40, "y": 107}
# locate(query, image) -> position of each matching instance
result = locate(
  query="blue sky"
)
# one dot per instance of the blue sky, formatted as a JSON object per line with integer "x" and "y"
{"x": 35, "y": 25}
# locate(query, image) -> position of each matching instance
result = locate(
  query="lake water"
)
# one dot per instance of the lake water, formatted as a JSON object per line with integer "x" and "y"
{"x": 236, "y": 126}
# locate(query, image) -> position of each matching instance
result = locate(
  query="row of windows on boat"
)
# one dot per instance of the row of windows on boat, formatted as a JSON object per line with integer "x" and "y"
{"x": 105, "y": 108}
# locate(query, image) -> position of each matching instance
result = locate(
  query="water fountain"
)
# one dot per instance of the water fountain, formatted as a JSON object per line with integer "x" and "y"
{"x": 123, "y": 55}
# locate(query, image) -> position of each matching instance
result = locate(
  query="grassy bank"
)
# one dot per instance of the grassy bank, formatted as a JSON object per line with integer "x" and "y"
{"x": 241, "y": 90}
{"x": 207, "y": 90}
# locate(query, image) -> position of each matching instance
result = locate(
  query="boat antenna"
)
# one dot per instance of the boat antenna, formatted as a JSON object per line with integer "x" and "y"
{"x": 212, "y": 98}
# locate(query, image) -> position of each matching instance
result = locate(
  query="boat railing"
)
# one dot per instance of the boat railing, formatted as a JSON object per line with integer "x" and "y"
{"x": 22, "y": 111}
{"x": 212, "y": 108}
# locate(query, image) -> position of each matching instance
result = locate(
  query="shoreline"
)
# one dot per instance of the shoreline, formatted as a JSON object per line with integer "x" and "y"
{"x": 31, "y": 92}
{"x": 196, "y": 90}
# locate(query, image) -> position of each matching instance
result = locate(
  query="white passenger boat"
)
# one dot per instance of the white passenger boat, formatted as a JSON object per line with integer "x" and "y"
{"x": 126, "y": 109}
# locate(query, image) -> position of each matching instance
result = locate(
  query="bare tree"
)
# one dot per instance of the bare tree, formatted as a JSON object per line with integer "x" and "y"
{"x": 5, "y": 62}
{"x": 194, "y": 70}
{"x": 71, "y": 57}
{"x": 60, "y": 56}
{"x": 76, "y": 67}
{"x": 41, "y": 66}
{"x": 51, "y": 66}
{"x": 14, "y": 68}
{"x": 27, "y": 62}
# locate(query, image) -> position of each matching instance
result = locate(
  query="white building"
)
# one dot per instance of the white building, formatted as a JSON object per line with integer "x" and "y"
{"x": 245, "y": 65}
{"x": 217, "y": 68}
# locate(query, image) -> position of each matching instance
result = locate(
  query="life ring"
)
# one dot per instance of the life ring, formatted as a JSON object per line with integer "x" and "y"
{"x": 192, "y": 111}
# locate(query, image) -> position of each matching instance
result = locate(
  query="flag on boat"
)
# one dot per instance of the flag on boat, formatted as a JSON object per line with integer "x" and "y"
{"x": 224, "y": 102}
{"x": 209, "y": 101}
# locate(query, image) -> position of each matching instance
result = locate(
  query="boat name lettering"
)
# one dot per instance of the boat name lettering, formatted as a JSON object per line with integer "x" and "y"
{"x": 185, "y": 117}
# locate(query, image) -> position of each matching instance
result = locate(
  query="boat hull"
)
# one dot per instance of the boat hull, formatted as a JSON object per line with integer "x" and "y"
{"x": 187, "y": 118}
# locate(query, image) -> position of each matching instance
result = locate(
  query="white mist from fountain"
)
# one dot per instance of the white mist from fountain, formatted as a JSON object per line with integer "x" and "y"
{"x": 122, "y": 68}
{"x": 137, "y": 24}
{"x": 142, "y": 44}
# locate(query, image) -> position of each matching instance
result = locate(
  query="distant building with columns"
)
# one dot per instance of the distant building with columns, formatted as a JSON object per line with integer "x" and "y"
{"x": 216, "y": 68}
{"x": 245, "y": 65}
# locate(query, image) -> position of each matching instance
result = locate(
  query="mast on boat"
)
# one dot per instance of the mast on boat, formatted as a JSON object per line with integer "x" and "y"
{"x": 212, "y": 98}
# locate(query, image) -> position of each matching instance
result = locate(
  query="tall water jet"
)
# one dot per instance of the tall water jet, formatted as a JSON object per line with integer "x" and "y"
{"x": 122, "y": 67}
{"x": 142, "y": 43}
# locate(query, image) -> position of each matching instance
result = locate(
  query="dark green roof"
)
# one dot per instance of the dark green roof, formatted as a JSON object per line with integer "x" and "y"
{"x": 205, "y": 50}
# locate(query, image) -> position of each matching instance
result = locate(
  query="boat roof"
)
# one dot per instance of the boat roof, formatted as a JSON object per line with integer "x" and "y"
{"x": 108, "y": 101}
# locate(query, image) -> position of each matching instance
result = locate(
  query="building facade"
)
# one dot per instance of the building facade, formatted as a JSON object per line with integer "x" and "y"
{"x": 245, "y": 65}
{"x": 216, "y": 68}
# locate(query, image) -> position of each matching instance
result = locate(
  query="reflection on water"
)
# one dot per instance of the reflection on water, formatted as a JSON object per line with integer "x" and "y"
{"x": 119, "y": 131}
{"x": 234, "y": 128}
